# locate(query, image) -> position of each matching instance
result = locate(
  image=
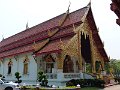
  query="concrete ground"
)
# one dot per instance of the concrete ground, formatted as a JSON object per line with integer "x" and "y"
{"x": 114, "y": 87}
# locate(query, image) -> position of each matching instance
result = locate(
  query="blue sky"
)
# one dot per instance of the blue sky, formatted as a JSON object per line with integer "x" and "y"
{"x": 14, "y": 14}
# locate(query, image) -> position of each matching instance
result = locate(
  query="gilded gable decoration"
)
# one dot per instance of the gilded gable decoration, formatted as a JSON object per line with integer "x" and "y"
{"x": 64, "y": 17}
{"x": 38, "y": 46}
{"x": 51, "y": 33}
{"x": 26, "y": 59}
{"x": 70, "y": 48}
{"x": 49, "y": 58}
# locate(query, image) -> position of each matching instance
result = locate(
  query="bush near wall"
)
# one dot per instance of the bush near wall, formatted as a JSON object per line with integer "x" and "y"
{"x": 86, "y": 83}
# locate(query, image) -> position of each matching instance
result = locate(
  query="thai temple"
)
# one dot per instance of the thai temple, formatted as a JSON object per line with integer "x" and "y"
{"x": 62, "y": 47}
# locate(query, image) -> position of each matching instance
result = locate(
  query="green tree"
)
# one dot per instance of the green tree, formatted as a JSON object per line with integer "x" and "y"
{"x": 115, "y": 65}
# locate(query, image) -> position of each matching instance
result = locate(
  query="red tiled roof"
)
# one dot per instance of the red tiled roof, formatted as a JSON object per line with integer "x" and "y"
{"x": 23, "y": 41}
{"x": 53, "y": 46}
{"x": 74, "y": 17}
{"x": 13, "y": 45}
{"x": 16, "y": 51}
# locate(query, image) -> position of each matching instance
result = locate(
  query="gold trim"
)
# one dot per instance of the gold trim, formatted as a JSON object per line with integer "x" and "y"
{"x": 38, "y": 46}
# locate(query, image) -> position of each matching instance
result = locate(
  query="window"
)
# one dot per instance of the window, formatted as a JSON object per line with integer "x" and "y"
{"x": 9, "y": 67}
{"x": 25, "y": 68}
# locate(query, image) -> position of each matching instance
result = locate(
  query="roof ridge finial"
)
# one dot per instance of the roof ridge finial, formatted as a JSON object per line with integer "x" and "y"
{"x": 3, "y": 37}
{"x": 69, "y": 7}
{"x": 89, "y": 4}
{"x": 27, "y": 26}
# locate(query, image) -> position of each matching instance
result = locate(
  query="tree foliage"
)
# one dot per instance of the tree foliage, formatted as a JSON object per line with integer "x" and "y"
{"x": 115, "y": 65}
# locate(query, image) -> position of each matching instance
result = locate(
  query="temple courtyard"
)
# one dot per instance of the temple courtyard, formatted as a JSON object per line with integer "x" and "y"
{"x": 114, "y": 87}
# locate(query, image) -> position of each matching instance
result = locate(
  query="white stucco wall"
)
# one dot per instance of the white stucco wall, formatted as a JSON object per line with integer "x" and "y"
{"x": 18, "y": 66}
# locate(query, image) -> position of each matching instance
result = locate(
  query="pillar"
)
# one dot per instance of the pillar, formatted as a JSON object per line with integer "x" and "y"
{"x": 79, "y": 50}
{"x": 92, "y": 53}
{"x": 79, "y": 54}
{"x": 60, "y": 60}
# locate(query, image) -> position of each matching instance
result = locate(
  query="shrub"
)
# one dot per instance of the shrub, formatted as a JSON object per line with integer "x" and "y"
{"x": 42, "y": 78}
{"x": 86, "y": 83}
{"x": 17, "y": 75}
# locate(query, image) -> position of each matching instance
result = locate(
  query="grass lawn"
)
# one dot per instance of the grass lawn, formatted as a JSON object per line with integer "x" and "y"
{"x": 90, "y": 88}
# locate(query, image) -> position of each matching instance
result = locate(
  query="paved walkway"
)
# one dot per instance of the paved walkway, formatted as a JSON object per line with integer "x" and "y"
{"x": 114, "y": 87}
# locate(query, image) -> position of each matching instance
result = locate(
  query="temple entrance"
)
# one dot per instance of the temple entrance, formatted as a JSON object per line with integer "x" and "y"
{"x": 68, "y": 65}
{"x": 50, "y": 63}
{"x": 86, "y": 52}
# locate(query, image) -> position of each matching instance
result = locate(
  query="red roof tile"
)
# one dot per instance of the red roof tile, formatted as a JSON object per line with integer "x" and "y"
{"x": 13, "y": 45}
{"x": 16, "y": 51}
{"x": 53, "y": 46}
{"x": 74, "y": 17}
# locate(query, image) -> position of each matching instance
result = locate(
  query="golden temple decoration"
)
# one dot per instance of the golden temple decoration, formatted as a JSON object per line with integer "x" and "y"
{"x": 51, "y": 33}
{"x": 83, "y": 28}
{"x": 38, "y": 46}
{"x": 71, "y": 47}
{"x": 64, "y": 17}
{"x": 85, "y": 15}
{"x": 60, "y": 61}
{"x": 92, "y": 51}
{"x": 26, "y": 59}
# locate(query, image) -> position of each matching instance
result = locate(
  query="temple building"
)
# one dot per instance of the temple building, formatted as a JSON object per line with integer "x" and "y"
{"x": 115, "y": 7}
{"x": 61, "y": 47}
